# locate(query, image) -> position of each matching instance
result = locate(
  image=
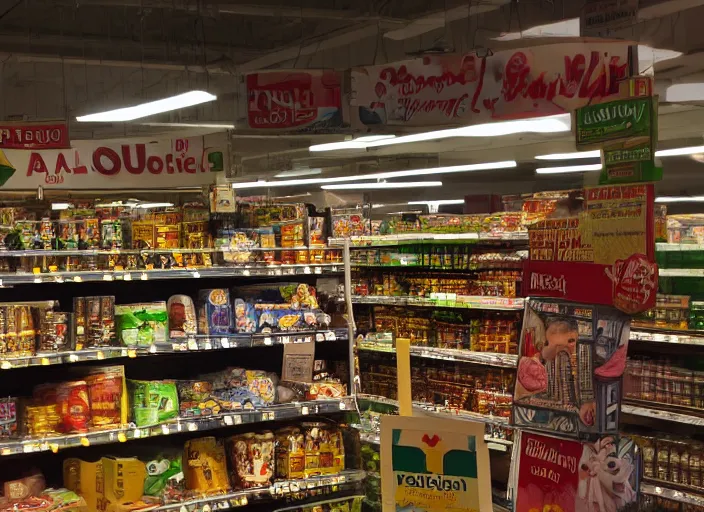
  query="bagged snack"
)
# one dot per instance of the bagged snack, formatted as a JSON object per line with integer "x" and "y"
{"x": 182, "y": 316}
{"x": 55, "y": 331}
{"x": 245, "y": 317}
{"x": 290, "y": 454}
{"x": 214, "y": 312}
{"x": 251, "y": 460}
{"x": 8, "y": 418}
{"x": 204, "y": 466}
{"x": 196, "y": 399}
{"x": 153, "y": 402}
{"x": 105, "y": 393}
{"x": 165, "y": 479}
{"x": 73, "y": 406}
{"x": 141, "y": 324}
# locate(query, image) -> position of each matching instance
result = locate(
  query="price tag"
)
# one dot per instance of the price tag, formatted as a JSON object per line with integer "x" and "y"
{"x": 196, "y": 274}
{"x": 318, "y": 270}
{"x": 277, "y": 272}
{"x": 319, "y": 336}
{"x": 206, "y": 508}
{"x": 228, "y": 420}
{"x": 245, "y": 272}
{"x": 45, "y": 361}
{"x": 152, "y": 349}
{"x": 224, "y": 343}
{"x": 27, "y": 448}
{"x": 285, "y": 339}
{"x": 73, "y": 358}
{"x": 54, "y": 447}
{"x": 5, "y": 451}
{"x": 334, "y": 269}
{"x": 100, "y": 355}
{"x": 107, "y": 277}
{"x": 5, "y": 365}
{"x": 304, "y": 411}
{"x": 306, "y": 270}
{"x": 144, "y": 276}
{"x": 77, "y": 279}
{"x": 132, "y": 353}
{"x": 208, "y": 345}
{"x": 127, "y": 277}
{"x": 268, "y": 342}
{"x": 37, "y": 280}
{"x": 238, "y": 420}
{"x": 343, "y": 405}
{"x": 85, "y": 441}
{"x": 137, "y": 433}
{"x": 192, "y": 427}
{"x": 165, "y": 430}
{"x": 192, "y": 344}
{"x": 121, "y": 437}
{"x": 183, "y": 509}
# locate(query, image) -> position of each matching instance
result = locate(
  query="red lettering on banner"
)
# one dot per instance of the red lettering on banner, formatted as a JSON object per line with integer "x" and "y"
{"x": 189, "y": 165}
{"x": 61, "y": 165}
{"x": 169, "y": 163}
{"x": 111, "y": 155}
{"x": 155, "y": 165}
{"x": 36, "y": 164}
{"x": 127, "y": 158}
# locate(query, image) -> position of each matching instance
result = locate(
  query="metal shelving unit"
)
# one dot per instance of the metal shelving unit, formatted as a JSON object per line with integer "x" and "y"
{"x": 672, "y": 337}
{"x": 657, "y": 490}
{"x": 661, "y": 414}
{"x": 458, "y": 302}
{"x": 455, "y": 355}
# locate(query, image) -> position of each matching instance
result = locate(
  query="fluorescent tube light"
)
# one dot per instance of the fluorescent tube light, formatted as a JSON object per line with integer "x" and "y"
{"x": 223, "y": 126}
{"x": 571, "y": 168}
{"x": 187, "y": 99}
{"x": 61, "y": 206}
{"x": 438, "y": 202}
{"x": 692, "y": 150}
{"x": 358, "y": 143}
{"x": 299, "y": 172}
{"x": 153, "y": 205}
{"x": 549, "y": 124}
{"x": 570, "y": 156}
{"x": 680, "y": 199}
{"x": 383, "y": 185}
{"x": 378, "y": 175}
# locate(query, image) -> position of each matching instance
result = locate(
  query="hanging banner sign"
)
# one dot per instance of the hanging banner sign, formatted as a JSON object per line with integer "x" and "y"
{"x": 297, "y": 100}
{"x": 559, "y": 475}
{"x": 600, "y": 16}
{"x": 434, "y": 465}
{"x": 95, "y": 165}
{"x": 468, "y": 89}
{"x": 606, "y": 255}
{"x": 52, "y": 135}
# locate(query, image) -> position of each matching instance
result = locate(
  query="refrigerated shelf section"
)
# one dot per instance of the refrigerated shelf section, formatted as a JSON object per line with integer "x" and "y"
{"x": 449, "y": 301}
{"x": 11, "y": 279}
{"x": 198, "y": 343}
{"x": 272, "y": 413}
{"x": 449, "y": 354}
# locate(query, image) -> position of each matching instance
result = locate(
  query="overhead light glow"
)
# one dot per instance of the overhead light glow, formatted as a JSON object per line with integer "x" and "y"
{"x": 438, "y": 202}
{"x": 382, "y": 185}
{"x": 187, "y": 99}
{"x": 378, "y": 176}
{"x": 299, "y": 172}
{"x": 571, "y": 168}
{"x": 549, "y": 124}
{"x": 562, "y": 28}
{"x": 358, "y": 143}
{"x": 147, "y": 206}
{"x": 680, "y": 199}
{"x": 61, "y": 206}
{"x": 692, "y": 150}
{"x": 223, "y": 126}
{"x": 570, "y": 156}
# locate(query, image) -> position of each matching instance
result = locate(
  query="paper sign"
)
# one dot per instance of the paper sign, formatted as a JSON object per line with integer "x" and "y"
{"x": 298, "y": 362}
{"x": 559, "y": 475}
{"x": 570, "y": 370}
{"x": 41, "y": 135}
{"x": 433, "y": 465}
{"x": 600, "y": 16}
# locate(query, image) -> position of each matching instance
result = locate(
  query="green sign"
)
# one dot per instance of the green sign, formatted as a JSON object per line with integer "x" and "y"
{"x": 620, "y": 119}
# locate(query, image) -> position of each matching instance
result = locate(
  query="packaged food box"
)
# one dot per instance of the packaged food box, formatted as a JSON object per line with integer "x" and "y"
{"x": 8, "y": 418}
{"x": 55, "y": 331}
{"x": 141, "y": 324}
{"x": 153, "y": 402}
{"x": 251, "y": 460}
{"x": 204, "y": 466}
{"x": 182, "y": 316}
{"x": 214, "y": 312}
{"x": 290, "y": 454}
{"x": 94, "y": 321}
{"x": 73, "y": 406}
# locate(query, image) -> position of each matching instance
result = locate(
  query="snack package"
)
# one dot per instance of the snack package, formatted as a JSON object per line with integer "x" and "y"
{"x": 182, "y": 316}
{"x": 8, "y": 418}
{"x": 123, "y": 482}
{"x": 251, "y": 460}
{"x": 73, "y": 406}
{"x": 204, "y": 466}
{"x": 196, "y": 399}
{"x": 214, "y": 312}
{"x": 55, "y": 331}
{"x": 153, "y": 402}
{"x": 245, "y": 317}
{"x": 165, "y": 478}
{"x": 290, "y": 454}
{"x": 94, "y": 324}
{"x": 105, "y": 390}
{"x": 18, "y": 333}
{"x": 325, "y": 452}
{"x": 141, "y": 324}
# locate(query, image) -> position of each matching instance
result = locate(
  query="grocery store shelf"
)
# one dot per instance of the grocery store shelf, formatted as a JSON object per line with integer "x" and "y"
{"x": 663, "y": 247}
{"x": 372, "y": 240}
{"x": 458, "y": 301}
{"x": 198, "y": 343}
{"x": 263, "y": 414}
{"x": 457, "y": 355}
{"x": 667, "y": 336}
{"x": 279, "y": 490}
{"x": 425, "y": 409}
{"x": 10, "y": 279}
{"x": 681, "y": 272}
{"x": 319, "y": 505}
{"x": 687, "y": 497}
{"x": 661, "y": 414}
{"x": 23, "y": 253}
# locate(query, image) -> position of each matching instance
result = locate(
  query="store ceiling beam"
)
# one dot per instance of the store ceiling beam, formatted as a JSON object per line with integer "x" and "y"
{"x": 666, "y": 8}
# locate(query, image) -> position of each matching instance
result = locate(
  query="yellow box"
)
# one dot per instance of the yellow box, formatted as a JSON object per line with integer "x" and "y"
{"x": 109, "y": 485}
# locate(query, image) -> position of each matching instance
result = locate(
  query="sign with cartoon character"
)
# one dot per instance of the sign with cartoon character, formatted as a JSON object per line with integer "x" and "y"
{"x": 605, "y": 255}
{"x": 433, "y": 465}
{"x": 570, "y": 369}
{"x": 559, "y": 475}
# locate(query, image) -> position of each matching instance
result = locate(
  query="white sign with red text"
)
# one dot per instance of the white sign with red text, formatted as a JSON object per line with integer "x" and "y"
{"x": 469, "y": 89}
{"x": 192, "y": 161}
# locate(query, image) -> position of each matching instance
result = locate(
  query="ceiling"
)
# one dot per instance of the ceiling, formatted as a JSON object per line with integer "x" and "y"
{"x": 63, "y": 58}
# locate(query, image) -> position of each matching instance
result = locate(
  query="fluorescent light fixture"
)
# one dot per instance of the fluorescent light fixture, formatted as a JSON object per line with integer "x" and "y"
{"x": 378, "y": 175}
{"x": 383, "y": 185}
{"x": 680, "y": 199}
{"x": 550, "y": 124}
{"x": 358, "y": 143}
{"x": 153, "y": 205}
{"x": 570, "y": 156}
{"x": 223, "y": 126}
{"x": 438, "y": 202}
{"x": 299, "y": 172}
{"x": 187, "y": 99}
{"x": 685, "y": 92}
{"x": 692, "y": 150}
{"x": 61, "y": 206}
{"x": 562, "y": 28}
{"x": 571, "y": 168}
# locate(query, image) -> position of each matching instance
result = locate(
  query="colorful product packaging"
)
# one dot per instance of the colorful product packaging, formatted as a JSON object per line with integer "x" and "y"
{"x": 94, "y": 324}
{"x": 18, "y": 334}
{"x": 214, "y": 312}
{"x": 290, "y": 454}
{"x": 8, "y": 418}
{"x": 105, "y": 390}
{"x": 165, "y": 478}
{"x": 251, "y": 460}
{"x": 205, "y": 466}
{"x": 73, "y": 406}
{"x": 153, "y": 402}
{"x": 182, "y": 316}
{"x": 55, "y": 331}
{"x": 141, "y": 324}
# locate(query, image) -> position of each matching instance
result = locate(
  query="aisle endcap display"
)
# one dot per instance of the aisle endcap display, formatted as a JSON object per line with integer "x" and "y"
{"x": 180, "y": 425}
